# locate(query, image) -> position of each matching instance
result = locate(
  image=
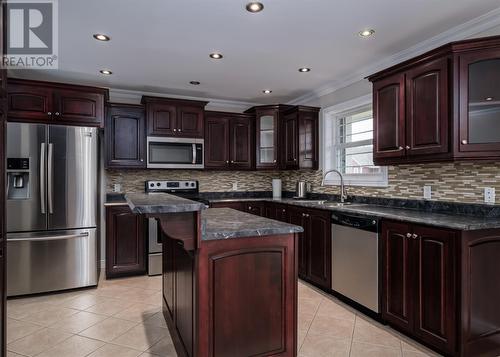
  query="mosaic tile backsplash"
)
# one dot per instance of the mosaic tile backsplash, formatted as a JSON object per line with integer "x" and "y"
{"x": 455, "y": 182}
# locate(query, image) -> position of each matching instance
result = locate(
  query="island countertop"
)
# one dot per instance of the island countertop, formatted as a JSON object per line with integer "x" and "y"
{"x": 225, "y": 223}
{"x": 159, "y": 203}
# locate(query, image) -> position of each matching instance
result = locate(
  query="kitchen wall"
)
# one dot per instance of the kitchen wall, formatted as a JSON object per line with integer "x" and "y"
{"x": 457, "y": 182}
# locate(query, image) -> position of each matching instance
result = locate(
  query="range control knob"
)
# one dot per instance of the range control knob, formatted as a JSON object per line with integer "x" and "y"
{"x": 158, "y": 184}
{"x": 192, "y": 184}
{"x": 151, "y": 185}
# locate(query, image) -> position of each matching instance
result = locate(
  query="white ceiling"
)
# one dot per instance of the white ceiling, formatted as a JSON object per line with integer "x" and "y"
{"x": 161, "y": 45}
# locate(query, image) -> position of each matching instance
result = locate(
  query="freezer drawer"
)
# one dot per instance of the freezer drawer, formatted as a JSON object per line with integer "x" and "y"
{"x": 51, "y": 261}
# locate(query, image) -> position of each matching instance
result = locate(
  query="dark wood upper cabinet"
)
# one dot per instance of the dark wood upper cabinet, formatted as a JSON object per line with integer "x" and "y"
{"x": 125, "y": 135}
{"x": 427, "y": 112}
{"x": 229, "y": 141}
{"x": 479, "y": 124}
{"x": 286, "y": 136}
{"x": 389, "y": 118}
{"x": 174, "y": 117}
{"x": 419, "y": 282}
{"x": 125, "y": 242}
{"x": 440, "y": 106}
{"x": 55, "y": 103}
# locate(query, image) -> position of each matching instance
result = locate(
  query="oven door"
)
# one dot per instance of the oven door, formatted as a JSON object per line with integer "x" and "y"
{"x": 175, "y": 153}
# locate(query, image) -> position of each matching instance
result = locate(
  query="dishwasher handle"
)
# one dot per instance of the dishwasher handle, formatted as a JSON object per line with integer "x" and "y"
{"x": 364, "y": 223}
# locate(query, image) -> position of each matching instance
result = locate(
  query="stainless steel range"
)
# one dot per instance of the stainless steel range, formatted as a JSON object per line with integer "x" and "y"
{"x": 186, "y": 189}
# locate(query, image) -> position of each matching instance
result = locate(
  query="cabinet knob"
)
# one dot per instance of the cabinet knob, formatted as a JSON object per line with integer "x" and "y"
{"x": 274, "y": 161}
{"x": 179, "y": 130}
{"x": 142, "y": 160}
{"x": 400, "y": 148}
{"x": 249, "y": 207}
{"x": 227, "y": 162}
{"x": 57, "y": 113}
{"x": 283, "y": 211}
{"x": 408, "y": 235}
{"x": 414, "y": 236}
{"x": 49, "y": 113}
{"x": 232, "y": 161}
{"x": 465, "y": 142}
{"x": 408, "y": 147}
{"x": 294, "y": 159}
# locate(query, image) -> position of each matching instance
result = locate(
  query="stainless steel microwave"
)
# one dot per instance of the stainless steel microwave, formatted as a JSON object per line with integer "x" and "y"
{"x": 175, "y": 153}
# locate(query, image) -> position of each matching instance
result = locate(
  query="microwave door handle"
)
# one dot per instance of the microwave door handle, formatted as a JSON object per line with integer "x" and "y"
{"x": 194, "y": 154}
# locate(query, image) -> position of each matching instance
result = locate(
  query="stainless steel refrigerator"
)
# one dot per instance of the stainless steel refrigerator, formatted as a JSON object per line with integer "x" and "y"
{"x": 52, "y": 209}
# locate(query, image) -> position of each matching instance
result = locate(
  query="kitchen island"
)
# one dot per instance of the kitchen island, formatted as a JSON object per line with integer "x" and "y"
{"x": 229, "y": 278}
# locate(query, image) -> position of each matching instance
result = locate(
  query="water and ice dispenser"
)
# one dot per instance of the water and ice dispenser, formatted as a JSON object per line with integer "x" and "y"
{"x": 18, "y": 178}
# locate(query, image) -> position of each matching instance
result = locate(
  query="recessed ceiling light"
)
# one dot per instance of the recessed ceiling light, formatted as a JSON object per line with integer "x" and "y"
{"x": 366, "y": 33}
{"x": 255, "y": 6}
{"x": 304, "y": 69}
{"x": 267, "y": 91}
{"x": 101, "y": 37}
{"x": 194, "y": 83}
{"x": 488, "y": 99}
{"x": 107, "y": 72}
{"x": 216, "y": 55}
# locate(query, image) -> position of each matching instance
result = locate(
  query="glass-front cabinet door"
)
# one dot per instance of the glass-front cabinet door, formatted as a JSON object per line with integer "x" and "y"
{"x": 480, "y": 101}
{"x": 267, "y": 139}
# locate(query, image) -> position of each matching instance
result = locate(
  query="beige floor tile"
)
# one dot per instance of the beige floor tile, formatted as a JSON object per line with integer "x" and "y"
{"x": 109, "y": 329}
{"x": 333, "y": 309}
{"x": 78, "y": 322}
{"x": 138, "y": 312}
{"x": 412, "y": 346}
{"x": 112, "y": 291}
{"x": 155, "y": 299}
{"x": 84, "y": 301}
{"x": 304, "y": 291}
{"x": 407, "y": 353}
{"x": 164, "y": 348}
{"x": 308, "y": 306}
{"x": 38, "y": 342}
{"x": 304, "y": 321}
{"x": 20, "y": 311}
{"x": 109, "y": 350}
{"x": 141, "y": 337}
{"x": 75, "y": 346}
{"x": 110, "y": 307}
{"x": 301, "y": 336}
{"x": 61, "y": 298}
{"x": 156, "y": 320}
{"x": 50, "y": 316}
{"x": 330, "y": 326}
{"x": 370, "y": 332}
{"x": 18, "y": 329}
{"x": 324, "y": 345}
{"x": 137, "y": 294}
{"x": 12, "y": 354}
{"x": 147, "y": 354}
{"x": 359, "y": 349}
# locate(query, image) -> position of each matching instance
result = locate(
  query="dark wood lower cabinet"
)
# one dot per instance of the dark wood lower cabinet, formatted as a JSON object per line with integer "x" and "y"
{"x": 125, "y": 242}
{"x": 419, "y": 282}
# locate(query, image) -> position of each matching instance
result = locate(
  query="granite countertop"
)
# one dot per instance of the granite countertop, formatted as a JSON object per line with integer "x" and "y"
{"x": 225, "y": 223}
{"x": 451, "y": 221}
{"x": 159, "y": 203}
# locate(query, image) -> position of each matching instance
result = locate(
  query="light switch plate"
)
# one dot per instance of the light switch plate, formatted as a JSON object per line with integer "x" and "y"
{"x": 235, "y": 186}
{"x": 489, "y": 195}
{"x": 117, "y": 187}
{"x": 427, "y": 192}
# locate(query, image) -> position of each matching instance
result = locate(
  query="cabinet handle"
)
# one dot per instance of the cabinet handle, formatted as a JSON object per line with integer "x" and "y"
{"x": 464, "y": 142}
{"x": 400, "y": 148}
{"x": 49, "y": 113}
{"x": 408, "y": 235}
{"x": 407, "y": 147}
{"x": 414, "y": 236}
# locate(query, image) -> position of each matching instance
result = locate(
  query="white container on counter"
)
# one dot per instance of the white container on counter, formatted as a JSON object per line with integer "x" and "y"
{"x": 276, "y": 188}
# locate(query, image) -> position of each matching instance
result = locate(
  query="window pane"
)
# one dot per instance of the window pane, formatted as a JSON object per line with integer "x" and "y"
{"x": 356, "y": 127}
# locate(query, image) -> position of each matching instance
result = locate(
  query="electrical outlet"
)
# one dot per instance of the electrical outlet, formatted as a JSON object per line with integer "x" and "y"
{"x": 235, "y": 186}
{"x": 117, "y": 187}
{"x": 427, "y": 192}
{"x": 489, "y": 195}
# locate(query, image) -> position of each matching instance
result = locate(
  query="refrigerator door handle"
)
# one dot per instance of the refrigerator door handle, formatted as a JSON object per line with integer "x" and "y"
{"x": 50, "y": 174}
{"x": 39, "y": 239}
{"x": 42, "y": 178}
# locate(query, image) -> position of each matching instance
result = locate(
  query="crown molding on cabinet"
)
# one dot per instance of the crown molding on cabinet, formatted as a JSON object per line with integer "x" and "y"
{"x": 470, "y": 28}
{"x": 134, "y": 97}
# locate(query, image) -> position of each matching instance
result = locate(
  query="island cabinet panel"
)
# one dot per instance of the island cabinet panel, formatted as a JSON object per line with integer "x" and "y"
{"x": 480, "y": 269}
{"x": 125, "y": 242}
{"x": 419, "y": 282}
{"x": 55, "y": 103}
{"x": 174, "y": 117}
{"x": 251, "y": 307}
{"x": 125, "y": 144}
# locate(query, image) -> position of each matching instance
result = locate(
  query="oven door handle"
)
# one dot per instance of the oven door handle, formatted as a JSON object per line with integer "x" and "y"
{"x": 194, "y": 154}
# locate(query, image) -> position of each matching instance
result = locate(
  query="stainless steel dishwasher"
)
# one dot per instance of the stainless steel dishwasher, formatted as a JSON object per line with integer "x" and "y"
{"x": 355, "y": 259}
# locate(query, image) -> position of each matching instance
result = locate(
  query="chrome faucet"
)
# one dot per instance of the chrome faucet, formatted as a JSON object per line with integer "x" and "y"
{"x": 343, "y": 195}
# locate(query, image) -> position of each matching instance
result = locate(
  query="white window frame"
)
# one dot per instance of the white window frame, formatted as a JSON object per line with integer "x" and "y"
{"x": 329, "y": 119}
